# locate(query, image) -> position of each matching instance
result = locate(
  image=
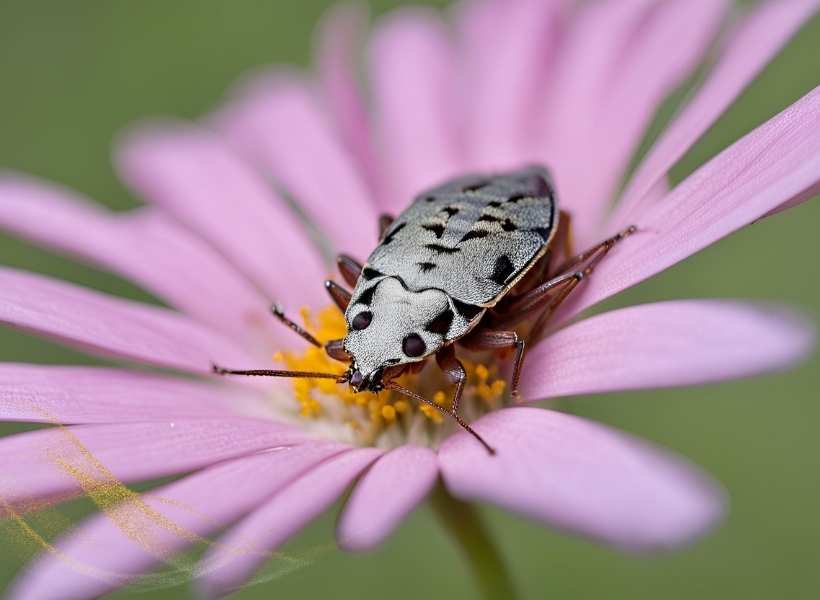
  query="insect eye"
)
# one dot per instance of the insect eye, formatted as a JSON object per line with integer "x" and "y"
{"x": 413, "y": 345}
{"x": 362, "y": 320}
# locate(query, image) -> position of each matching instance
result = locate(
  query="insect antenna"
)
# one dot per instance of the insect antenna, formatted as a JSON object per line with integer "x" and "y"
{"x": 418, "y": 398}
{"x": 340, "y": 378}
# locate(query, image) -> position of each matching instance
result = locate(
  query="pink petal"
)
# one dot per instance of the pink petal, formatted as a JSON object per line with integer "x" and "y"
{"x": 412, "y": 67}
{"x": 279, "y": 123}
{"x": 665, "y": 344}
{"x": 277, "y": 520}
{"x": 109, "y": 326}
{"x": 645, "y": 74}
{"x": 389, "y": 490}
{"x": 755, "y": 41}
{"x": 56, "y": 463}
{"x": 168, "y": 518}
{"x": 583, "y": 478}
{"x": 195, "y": 177}
{"x": 142, "y": 246}
{"x": 69, "y": 395}
{"x": 339, "y": 43}
{"x": 508, "y": 49}
{"x": 774, "y": 165}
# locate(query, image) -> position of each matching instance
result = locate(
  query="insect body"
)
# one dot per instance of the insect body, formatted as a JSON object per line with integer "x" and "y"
{"x": 464, "y": 264}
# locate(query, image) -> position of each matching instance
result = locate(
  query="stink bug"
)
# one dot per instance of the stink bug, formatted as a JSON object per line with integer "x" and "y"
{"x": 463, "y": 265}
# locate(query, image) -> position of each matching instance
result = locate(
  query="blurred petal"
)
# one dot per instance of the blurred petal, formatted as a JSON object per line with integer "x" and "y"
{"x": 755, "y": 41}
{"x": 53, "y": 464}
{"x": 198, "y": 179}
{"x": 169, "y": 519}
{"x": 280, "y": 124}
{"x": 508, "y": 49}
{"x": 142, "y": 246}
{"x": 663, "y": 345}
{"x": 340, "y": 43}
{"x": 644, "y": 75}
{"x": 278, "y": 519}
{"x": 412, "y": 76}
{"x": 581, "y": 477}
{"x": 389, "y": 490}
{"x": 773, "y": 165}
{"x": 76, "y": 395}
{"x": 109, "y": 326}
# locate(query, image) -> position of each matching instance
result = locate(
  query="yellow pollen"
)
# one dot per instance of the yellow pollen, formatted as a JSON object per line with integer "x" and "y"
{"x": 366, "y": 414}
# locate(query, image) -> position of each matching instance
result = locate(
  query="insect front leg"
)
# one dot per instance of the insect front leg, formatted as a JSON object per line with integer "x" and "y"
{"x": 349, "y": 268}
{"x": 454, "y": 371}
{"x": 384, "y": 222}
{"x": 493, "y": 339}
{"x": 339, "y": 295}
{"x": 336, "y": 350}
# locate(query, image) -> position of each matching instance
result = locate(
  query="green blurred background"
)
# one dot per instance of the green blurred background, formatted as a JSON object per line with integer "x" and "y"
{"x": 75, "y": 73}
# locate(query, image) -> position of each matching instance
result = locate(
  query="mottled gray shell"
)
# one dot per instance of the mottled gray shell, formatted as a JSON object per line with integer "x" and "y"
{"x": 471, "y": 237}
{"x": 464, "y": 244}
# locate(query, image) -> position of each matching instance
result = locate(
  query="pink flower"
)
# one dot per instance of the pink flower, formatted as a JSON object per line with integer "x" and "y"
{"x": 517, "y": 82}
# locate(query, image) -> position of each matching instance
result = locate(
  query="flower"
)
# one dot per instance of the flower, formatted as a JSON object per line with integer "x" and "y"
{"x": 516, "y": 82}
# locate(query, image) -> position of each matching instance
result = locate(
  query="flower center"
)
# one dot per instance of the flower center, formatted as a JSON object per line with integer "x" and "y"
{"x": 385, "y": 419}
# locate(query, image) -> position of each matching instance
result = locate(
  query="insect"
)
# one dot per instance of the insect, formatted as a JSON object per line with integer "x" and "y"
{"x": 464, "y": 265}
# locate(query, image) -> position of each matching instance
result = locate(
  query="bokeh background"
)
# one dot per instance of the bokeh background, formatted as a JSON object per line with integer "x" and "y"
{"x": 72, "y": 74}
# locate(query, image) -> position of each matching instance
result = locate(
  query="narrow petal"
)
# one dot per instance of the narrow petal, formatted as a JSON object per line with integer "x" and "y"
{"x": 412, "y": 73}
{"x": 169, "y": 519}
{"x": 665, "y": 344}
{"x": 339, "y": 43}
{"x": 755, "y": 41}
{"x": 580, "y": 477}
{"x": 80, "y": 395}
{"x": 389, "y": 490}
{"x": 52, "y": 464}
{"x": 774, "y": 165}
{"x": 277, "y": 520}
{"x": 281, "y": 126}
{"x": 640, "y": 80}
{"x": 143, "y": 246}
{"x": 194, "y": 176}
{"x": 508, "y": 50}
{"x": 109, "y": 326}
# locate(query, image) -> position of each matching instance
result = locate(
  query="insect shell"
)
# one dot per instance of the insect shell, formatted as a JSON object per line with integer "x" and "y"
{"x": 456, "y": 251}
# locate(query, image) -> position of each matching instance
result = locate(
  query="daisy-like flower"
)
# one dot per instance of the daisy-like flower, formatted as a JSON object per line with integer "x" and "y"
{"x": 530, "y": 81}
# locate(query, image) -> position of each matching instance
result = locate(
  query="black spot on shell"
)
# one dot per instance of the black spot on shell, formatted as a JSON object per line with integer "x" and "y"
{"x": 468, "y": 311}
{"x": 366, "y": 297}
{"x": 370, "y": 273}
{"x": 392, "y": 233}
{"x": 413, "y": 346}
{"x": 436, "y": 228}
{"x": 494, "y": 203}
{"x": 516, "y": 198}
{"x": 502, "y": 269}
{"x": 508, "y": 225}
{"x": 430, "y": 199}
{"x": 442, "y": 249}
{"x": 426, "y": 266}
{"x": 474, "y": 234}
{"x": 450, "y": 210}
{"x": 474, "y": 187}
{"x": 544, "y": 232}
{"x": 362, "y": 320}
{"x": 488, "y": 218}
{"x": 441, "y": 324}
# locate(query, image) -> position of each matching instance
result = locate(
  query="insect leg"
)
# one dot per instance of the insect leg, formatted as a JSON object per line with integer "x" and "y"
{"x": 336, "y": 350}
{"x": 384, "y": 223}
{"x": 339, "y": 295}
{"x": 564, "y": 233}
{"x": 350, "y": 269}
{"x": 298, "y": 329}
{"x": 493, "y": 339}
{"x": 454, "y": 371}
